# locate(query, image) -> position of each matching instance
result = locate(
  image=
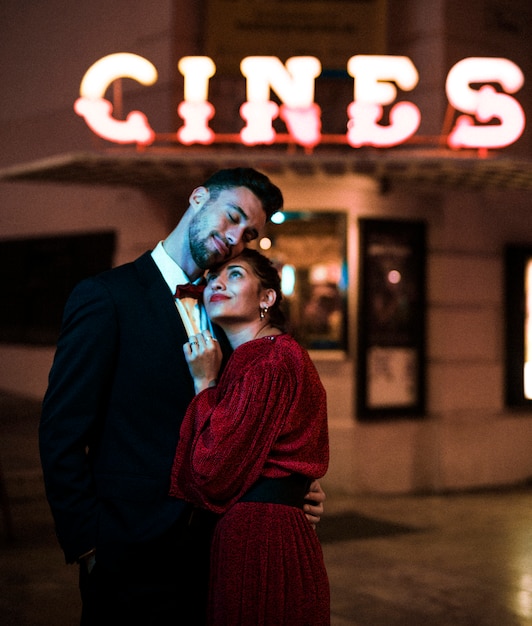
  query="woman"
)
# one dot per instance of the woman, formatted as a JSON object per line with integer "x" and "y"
{"x": 250, "y": 445}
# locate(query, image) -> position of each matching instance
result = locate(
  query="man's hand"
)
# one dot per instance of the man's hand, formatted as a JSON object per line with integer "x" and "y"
{"x": 314, "y": 508}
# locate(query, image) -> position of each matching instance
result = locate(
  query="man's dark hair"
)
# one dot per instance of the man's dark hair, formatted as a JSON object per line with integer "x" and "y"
{"x": 269, "y": 194}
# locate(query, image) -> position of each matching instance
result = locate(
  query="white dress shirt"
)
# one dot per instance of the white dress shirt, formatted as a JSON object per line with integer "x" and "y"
{"x": 194, "y": 317}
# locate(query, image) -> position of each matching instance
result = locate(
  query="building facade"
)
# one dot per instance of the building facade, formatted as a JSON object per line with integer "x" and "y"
{"x": 454, "y": 213}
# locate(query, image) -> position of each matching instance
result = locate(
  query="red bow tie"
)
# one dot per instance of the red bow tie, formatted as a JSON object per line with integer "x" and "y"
{"x": 188, "y": 290}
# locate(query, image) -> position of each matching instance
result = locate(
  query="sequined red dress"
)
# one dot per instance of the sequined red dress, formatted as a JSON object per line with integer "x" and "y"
{"x": 267, "y": 417}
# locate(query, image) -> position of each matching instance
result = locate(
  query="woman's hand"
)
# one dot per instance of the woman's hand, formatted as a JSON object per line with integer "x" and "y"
{"x": 314, "y": 503}
{"x": 204, "y": 357}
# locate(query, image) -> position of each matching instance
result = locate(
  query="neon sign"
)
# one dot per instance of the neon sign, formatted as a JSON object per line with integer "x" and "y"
{"x": 97, "y": 110}
{"x": 485, "y": 103}
{"x": 373, "y": 88}
{"x": 488, "y": 119}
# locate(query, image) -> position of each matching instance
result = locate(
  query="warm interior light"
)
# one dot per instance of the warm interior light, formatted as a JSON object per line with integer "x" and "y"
{"x": 325, "y": 273}
{"x": 97, "y": 111}
{"x": 373, "y": 76}
{"x": 394, "y": 277}
{"x": 527, "y": 374}
{"x": 485, "y": 104}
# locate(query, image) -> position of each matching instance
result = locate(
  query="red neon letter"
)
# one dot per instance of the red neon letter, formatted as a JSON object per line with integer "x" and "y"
{"x": 294, "y": 84}
{"x": 373, "y": 75}
{"x": 97, "y": 110}
{"x": 485, "y": 103}
{"x": 195, "y": 110}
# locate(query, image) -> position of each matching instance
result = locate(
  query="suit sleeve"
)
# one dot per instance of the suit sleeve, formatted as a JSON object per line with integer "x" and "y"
{"x": 72, "y": 408}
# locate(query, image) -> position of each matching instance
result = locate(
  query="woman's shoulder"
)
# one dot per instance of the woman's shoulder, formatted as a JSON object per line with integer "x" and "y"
{"x": 263, "y": 348}
{"x": 286, "y": 350}
{"x": 278, "y": 349}
{"x": 286, "y": 342}
{"x": 295, "y": 357}
{"x": 274, "y": 343}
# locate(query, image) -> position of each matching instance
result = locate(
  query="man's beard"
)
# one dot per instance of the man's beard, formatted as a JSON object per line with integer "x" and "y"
{"x": 203, "y": 256}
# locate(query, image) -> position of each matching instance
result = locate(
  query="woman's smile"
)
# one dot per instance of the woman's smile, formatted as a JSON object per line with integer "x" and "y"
{"x": 218, "y": 297}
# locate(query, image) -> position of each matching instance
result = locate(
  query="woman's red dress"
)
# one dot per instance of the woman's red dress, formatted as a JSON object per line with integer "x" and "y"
{"x": 266, "y": 417}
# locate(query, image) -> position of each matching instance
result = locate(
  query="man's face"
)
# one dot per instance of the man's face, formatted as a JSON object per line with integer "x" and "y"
{"x": 222, "y": 227}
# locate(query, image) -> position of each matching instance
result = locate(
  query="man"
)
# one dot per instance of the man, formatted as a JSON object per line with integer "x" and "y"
{"x": 118, "y": 390}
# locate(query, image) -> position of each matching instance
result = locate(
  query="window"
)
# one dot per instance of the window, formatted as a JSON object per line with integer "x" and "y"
{"x": 37, "y": 275}
{"x": 518, "y": 307}
{"x": 309, "y": 249}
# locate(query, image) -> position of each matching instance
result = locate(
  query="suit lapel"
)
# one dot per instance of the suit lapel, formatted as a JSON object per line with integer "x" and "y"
{"x": 163, "y": 308}
{"x": 161, "y": 300}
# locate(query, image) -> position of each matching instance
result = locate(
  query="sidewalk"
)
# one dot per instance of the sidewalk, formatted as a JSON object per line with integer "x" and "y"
{"x": 455, "y": 560}
{"x": 450, "y": 560}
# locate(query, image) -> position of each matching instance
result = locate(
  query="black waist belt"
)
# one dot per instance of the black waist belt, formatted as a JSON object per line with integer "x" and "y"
{"x": 290, "y": 490}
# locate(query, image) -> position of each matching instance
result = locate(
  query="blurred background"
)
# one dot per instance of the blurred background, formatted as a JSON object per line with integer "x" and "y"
{"x": 405, "y": 263}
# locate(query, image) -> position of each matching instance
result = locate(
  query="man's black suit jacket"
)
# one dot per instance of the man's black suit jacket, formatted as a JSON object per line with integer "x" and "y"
{"x": 119, "y": 387}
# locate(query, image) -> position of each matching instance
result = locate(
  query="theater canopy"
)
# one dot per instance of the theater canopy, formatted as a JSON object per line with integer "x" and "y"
{"x": 168, "y": 170}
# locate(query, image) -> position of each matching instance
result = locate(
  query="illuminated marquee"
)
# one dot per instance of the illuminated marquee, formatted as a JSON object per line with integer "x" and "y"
{"x": 97, "y": 111}
{"x": 375, "y": 79}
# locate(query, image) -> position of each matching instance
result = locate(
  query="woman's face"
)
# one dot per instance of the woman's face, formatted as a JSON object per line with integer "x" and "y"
{"x": 233, "y": 293}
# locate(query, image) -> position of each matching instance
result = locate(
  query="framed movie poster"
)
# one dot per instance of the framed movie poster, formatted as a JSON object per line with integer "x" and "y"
{"x": 391, "y": 327}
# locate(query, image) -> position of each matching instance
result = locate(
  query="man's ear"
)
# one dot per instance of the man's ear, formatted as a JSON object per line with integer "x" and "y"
{"x": 198, "y": 197}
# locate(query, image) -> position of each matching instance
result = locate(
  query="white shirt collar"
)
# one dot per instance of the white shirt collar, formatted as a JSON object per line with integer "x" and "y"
{"x": 173, "y": 276}
{"x": 172, "y": 273}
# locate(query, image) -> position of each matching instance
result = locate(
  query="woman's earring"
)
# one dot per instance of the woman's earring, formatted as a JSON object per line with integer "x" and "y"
{"x": 263, "y": 311}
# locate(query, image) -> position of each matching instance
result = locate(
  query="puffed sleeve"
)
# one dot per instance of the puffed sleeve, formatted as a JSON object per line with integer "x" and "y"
{"x": 228, "y": 433}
